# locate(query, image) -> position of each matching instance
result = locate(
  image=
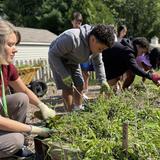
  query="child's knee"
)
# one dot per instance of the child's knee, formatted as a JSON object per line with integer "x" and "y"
{"x": 22, "y": 100}
{"x": 18, "y": 141}
{"x": 13, "y": 144}
{"x": 22, "y": 97}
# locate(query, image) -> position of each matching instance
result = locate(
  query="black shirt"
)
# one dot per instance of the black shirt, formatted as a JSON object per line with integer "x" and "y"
{"x": 118, "y": 59}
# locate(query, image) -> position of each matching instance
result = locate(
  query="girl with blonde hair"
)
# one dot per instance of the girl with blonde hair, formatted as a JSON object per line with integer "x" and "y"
{"x": 13, "y": 108}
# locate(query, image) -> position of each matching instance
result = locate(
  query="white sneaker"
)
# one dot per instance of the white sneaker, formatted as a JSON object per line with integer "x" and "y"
{"x": 85, "y": 96}
{"x": 78, "y": 108}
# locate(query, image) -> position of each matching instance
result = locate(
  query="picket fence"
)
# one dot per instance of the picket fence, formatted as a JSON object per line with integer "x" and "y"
{"x": 44, "y": 73}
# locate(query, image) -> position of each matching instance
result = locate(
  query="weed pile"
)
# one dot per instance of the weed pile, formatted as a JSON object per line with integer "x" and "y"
{"x": 97, "y": 131}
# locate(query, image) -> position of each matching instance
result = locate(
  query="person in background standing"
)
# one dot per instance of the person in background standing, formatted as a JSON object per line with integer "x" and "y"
{"x": 76, "y": 19}
{"x": 121, "y": 32}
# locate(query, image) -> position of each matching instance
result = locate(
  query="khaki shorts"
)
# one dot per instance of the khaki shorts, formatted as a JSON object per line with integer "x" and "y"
{"x": 75, "y": 73}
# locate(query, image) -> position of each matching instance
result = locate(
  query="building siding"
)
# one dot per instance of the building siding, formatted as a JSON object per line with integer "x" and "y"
{"x": 33, "y": 49}
{"x": 26, "y": 52}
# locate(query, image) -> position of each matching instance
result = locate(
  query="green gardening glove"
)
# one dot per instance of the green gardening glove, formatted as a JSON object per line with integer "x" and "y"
{"x": 105, "y": 88}
{"x": 68, "y": 81}
{"x": 41, "y": 131}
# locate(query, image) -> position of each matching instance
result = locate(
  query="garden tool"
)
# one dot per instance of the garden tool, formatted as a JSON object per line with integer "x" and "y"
{"x": 83, "y": 97}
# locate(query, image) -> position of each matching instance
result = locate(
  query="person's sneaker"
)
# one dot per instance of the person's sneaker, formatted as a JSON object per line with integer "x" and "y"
{"x": 78, "y": 108}
{"x": 85, "y": 96}
{"x": 24, "y": 153}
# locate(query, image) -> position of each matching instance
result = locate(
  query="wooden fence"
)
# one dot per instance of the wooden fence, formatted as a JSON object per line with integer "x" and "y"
{"x": 44, "y": 73}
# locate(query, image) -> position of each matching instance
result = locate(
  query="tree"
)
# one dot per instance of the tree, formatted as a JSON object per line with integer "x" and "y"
{"x": 53, "y": 15}
{"x": 22, "y": 13}
{"x": 56, "y": 14}
{"x": 141, "y": 17}
{"x": 1, "y": 9}
{"x": 93, "y": 11}
{"x": 144, "y": 15}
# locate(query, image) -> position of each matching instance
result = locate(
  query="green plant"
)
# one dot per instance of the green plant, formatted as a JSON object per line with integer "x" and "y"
{"x": 97, "y": 132}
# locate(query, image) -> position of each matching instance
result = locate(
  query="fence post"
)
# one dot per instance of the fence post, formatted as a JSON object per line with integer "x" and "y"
{"x": 125, "y": 138}
{"x": 43, "y": 69}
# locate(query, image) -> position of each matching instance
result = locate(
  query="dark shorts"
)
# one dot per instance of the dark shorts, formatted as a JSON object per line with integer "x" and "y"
{"x": 87, "y": 66}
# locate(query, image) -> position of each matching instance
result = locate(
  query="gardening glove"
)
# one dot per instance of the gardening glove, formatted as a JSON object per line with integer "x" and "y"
{"x": 41, "y": 131}
{"x": 155, "y": 77}
{"x": 105, "y": 87}
{"x": 46, "y": 112}
{"x": 68, "y": 81}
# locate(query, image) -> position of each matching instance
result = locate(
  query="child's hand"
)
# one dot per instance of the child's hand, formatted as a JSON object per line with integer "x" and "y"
{"x": 156, "y": 78}
{"x": 68, "y": 81}
{"x": 105, "y": 87}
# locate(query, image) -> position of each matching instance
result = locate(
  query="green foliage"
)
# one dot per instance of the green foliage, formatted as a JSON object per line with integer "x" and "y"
{"x": 141, "y": 17}
{"x": 97, "y": 131}
{"x": 55, "y": 15}
{"x": 93, "y": 11}
{"x": 21, "y": 13}
{"x": 1, "y": 9}
{"x": 141, "y": 21}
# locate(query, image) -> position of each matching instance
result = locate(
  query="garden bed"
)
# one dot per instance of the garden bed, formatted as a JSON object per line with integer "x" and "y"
{"x": 97, "y": 132}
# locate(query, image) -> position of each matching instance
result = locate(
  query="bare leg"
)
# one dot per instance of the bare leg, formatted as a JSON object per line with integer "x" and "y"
{"x": 115, "y": 84}
{"x": 146, "y": 68}
{"x": 78, "y": 92}
{"x": 68, "y": 99}
{"x": 128, "y": 79}
{"x": 86, "y": 79}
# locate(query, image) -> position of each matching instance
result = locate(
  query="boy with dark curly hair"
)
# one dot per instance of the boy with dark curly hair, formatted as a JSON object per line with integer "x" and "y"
{"x": 75, "y": 46}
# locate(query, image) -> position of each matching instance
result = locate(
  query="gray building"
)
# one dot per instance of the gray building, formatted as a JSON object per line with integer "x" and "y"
{"x": 33, "y": 49}
{"x": 34, "y": 43}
